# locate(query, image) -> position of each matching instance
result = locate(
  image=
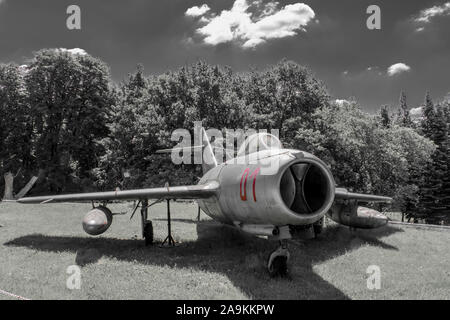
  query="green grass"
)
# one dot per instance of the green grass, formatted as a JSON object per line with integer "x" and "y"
{"x": 211, "y": 261}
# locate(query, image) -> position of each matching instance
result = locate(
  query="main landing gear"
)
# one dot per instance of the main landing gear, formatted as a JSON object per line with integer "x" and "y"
{"x": 147, "y": 226}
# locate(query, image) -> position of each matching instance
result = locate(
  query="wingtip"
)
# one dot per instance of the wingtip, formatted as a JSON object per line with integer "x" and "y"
{"x": 9, "y": 201}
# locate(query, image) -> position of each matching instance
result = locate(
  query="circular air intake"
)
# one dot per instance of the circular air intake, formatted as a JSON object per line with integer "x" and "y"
{"x": 306, "y": 188}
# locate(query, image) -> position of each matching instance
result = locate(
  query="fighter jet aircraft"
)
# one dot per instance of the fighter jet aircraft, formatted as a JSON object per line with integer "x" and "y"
{"x": 265, "y": 190}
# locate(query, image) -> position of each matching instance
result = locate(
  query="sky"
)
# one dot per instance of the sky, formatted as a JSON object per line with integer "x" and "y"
{"x": 410, "y": 53}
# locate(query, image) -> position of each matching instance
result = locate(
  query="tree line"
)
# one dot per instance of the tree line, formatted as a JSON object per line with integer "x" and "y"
{"x": 66, "y": 123}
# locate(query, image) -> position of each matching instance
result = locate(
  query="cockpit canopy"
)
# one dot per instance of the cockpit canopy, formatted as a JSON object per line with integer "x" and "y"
{"x": 259, "y": 142}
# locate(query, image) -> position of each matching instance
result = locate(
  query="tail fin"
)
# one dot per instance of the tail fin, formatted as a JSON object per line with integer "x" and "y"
{"x": 209, "y": 160}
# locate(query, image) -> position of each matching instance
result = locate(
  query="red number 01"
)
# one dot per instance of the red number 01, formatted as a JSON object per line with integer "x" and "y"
{"x": 253, "y": 175}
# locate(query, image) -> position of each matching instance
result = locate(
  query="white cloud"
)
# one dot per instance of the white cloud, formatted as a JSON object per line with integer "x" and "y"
{"x": 427, "y": 14}
{"x": 74, "y": 51}
{"x": 341, "y": 102}
{"x": 196, "y": 11}
{"x": 397, "y": 69}
{"x": 253, "y": 24}
{"x": 416, "y": 112}
{"x": 23, "y": 68}
{"x": 204, "y": 20}
{"x": 252, "y": 43}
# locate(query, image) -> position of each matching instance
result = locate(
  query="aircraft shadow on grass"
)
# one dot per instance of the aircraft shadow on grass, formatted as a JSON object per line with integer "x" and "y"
{"x": 228, "y": 251}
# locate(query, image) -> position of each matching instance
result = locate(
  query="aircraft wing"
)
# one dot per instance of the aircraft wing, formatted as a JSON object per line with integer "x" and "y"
{"x": 182, "y": 192}
{"x": 344, "y": 194}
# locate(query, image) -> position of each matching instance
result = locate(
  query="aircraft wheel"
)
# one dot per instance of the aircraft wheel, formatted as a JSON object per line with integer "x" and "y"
{"x": 318, "y": 227}
{"x": 148, "y": 233}
{"x": 277, "y": 264}
{"x": 278, "y": 267}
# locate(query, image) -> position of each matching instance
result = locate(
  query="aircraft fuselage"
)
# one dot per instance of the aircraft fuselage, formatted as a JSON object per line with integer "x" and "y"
{"x": 270, "y": 187}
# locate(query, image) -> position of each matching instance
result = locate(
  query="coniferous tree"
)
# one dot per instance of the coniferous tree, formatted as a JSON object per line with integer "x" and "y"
{"x": 432, "y": 205}
{"x": 445, "y": 188}
{"x": 403, "y": 116}
{"x": 385, "y": 117}
{"x": 428, "y": 117}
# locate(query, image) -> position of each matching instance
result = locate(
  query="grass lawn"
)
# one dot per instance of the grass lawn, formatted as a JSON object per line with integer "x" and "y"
{"x": 39, "y": 242}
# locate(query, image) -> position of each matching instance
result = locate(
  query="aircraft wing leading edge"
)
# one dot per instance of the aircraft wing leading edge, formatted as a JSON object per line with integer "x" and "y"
{"x": 182, "y": 192}
{"x": 343, "y": 194}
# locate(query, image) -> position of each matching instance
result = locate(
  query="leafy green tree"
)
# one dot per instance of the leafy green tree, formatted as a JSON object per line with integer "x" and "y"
{"x": 363, "y": 155}
{"x": 15, "y": 127}
{"x": 284, "y": 97}
{"x": 70, "y": 100}
{"x": 217, "y": 98}
{"x": 134, "y": 136}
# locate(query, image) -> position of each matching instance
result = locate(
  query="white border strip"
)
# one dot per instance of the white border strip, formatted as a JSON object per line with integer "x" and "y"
{"x": 12, "y": 295}
{"x": 420, "y": 226}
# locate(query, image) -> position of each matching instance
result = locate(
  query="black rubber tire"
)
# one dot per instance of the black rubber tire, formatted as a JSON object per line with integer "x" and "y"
{"x": 279, "y": 267}
{"x": 148, "y": 233}
{"x": 318, "y": 227}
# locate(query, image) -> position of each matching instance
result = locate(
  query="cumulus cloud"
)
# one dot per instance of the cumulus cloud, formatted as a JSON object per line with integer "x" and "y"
{"x": 23, "y": 68}
{"x": 397, "y": 69}
{"x": 426, "y": 15}
{"x": 196, "y": 11}
{"x": 253, "y": 24}
{"x": 74, "y": 51}
{"x": 341, "y": 102}
{"x": 416, "y": 112}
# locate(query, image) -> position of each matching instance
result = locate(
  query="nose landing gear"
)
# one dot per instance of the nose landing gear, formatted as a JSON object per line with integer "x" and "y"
{"x": 278, "y": 260}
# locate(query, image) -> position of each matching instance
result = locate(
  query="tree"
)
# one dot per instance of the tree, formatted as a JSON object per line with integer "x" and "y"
{"x": 134, "y": 136}
{"x": 363, "y": 155}
{"x": 428, "y": 117}
{"x": 434, "y": 191}
{"x": 284, "y": 97}
{"x": 403, "y": 116}
{"x": 15, "y": 127}
{"x": 70, "y": 101}
{"x": 385, "y": 117}
{"x": 445, "y": 105}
